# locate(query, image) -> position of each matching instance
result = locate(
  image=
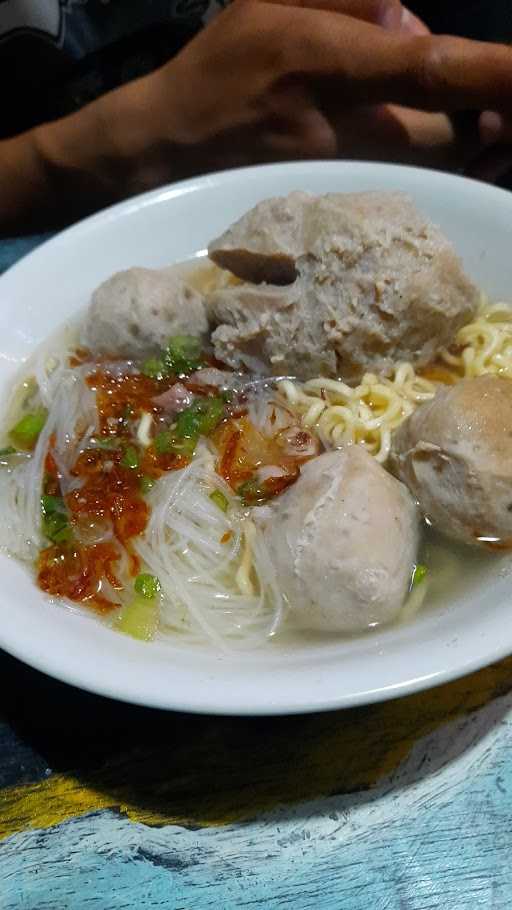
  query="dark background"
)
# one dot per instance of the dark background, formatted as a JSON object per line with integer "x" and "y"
{"x": 487, "y": 20}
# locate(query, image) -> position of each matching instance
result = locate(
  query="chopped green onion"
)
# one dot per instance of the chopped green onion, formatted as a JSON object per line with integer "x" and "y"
{"x": 55, "y": 527}
{"x": 139, "y": 619}
{"x": 51, "y": 504}
{"x": 25, "y": 433}
{"x": 61, "y": 535}
{"x": 418, "y": 575}
{"x": 200, "y": 418}
{"x": 108, "y": 442}
{"x": 252, "y": 493}
{"x": 183, "y": 354}
{"x": 168, "y": 443}
{"x": 155, "y": 368}
{"x": 130, "y": 458}
{"x": 220, "y": 500}
{"x": 55, "y": 524}
{"x": 146, "y": 484}
{"x": 147, "y": 585}
{"x": 6, "y": 453}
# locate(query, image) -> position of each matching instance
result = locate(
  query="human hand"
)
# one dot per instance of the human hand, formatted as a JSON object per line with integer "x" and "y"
{"x": 267, "y": 81}
{"x": 261, "y": 82}
{"x": 479, "y": 144}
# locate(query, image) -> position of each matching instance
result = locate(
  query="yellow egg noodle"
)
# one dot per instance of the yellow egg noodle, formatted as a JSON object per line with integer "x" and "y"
{"x": 486, "y": 343}
{"x": 368, "y": 413}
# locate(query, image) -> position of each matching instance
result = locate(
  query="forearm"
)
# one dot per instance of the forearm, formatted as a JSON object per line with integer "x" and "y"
{"x": 72, "y": 166}
{"x": 22, "y": 183}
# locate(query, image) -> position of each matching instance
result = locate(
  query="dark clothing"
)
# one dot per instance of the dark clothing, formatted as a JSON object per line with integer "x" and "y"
{"x": 483, "y": 20}
{"x": 57, "y": 55}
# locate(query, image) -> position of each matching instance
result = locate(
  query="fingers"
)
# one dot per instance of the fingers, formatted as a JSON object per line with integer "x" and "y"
{"x": 389, "y": 14}
{"x": 495, "y": 128}
{"x": 294, "y": 126}
{"x": 495, "y": 161}
{"x": 386, "y": 13}
{"x": 403, "y": 135}
{"x": 413, "y": 24}
{"x": 368, "y": 64}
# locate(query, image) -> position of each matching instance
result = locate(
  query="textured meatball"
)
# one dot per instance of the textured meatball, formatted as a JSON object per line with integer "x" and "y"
{"x": 266, "y": 242}
{"x": 372, "y": 282}
{"x": 455, "y": 455}
{"x": 268, "y": 329}
{"x": 134, "y": 313}
{"x": 343, "y": 541}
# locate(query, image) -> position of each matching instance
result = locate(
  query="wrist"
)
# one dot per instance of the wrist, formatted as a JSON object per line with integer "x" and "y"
{"x": 108, "y": 150}
{"x": 138, "y": 154}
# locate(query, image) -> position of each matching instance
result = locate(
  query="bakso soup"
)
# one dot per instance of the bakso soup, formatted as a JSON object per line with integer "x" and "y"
{"x": 256, "y": 447}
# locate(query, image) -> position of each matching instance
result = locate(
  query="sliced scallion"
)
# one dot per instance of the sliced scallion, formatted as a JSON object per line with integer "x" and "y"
{"x": 54, "y": 520}
{"x": 139, "y": 619}
{"x": 25, "y": 433}
{"x": 6, "y": 453}
{"x": 220, "y": 500}
{"x": 130, "y": 458}
{"x": 147, "y": 585}
{"x": 154, "y": 368}
{"x": 168, "y": 443}
{"x": 107, "y": 442}
{"x": 146, "y": 484}
{"x": 200, "y": 418}
{"x": 183, "y": 354}
{"x": 419, "y": 573}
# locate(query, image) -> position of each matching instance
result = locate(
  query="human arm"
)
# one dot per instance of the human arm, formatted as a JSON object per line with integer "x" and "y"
{"x": 264, "y": 82}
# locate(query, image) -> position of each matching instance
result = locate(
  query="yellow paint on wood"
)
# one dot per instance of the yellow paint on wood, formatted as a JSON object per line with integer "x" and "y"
{"x": 213, "y": 771}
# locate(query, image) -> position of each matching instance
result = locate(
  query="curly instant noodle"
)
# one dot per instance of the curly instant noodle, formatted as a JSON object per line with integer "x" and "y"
{"x": 366, "y": 414}
{"x": 485, "y": 345}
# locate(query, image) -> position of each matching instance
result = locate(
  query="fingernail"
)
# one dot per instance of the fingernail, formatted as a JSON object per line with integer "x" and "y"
{"x": 391, "y": 17}
{"x": 491, "y": 127}
{"x": 410, "y": 23}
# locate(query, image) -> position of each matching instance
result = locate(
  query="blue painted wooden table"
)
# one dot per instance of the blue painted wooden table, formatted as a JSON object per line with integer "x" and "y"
{"x": 401, "y": 806}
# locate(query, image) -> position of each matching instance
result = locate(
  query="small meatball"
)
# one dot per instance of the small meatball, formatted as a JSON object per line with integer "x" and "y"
{"x": 455, "y": 455}
{"x": 373, "y": 283}
{"x": 134, "y": 313}
{"x": 343, "y": 541}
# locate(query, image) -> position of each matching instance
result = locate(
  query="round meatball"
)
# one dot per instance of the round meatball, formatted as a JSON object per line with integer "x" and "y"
{"x": 373, "y": 282}
{"x": 134, "y": 313}
{"x": 455, "y": 455}
{"x": 343, "y": 541}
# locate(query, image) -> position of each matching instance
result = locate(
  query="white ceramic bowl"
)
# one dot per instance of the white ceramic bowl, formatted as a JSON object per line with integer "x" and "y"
{"x": 171, "y": 225}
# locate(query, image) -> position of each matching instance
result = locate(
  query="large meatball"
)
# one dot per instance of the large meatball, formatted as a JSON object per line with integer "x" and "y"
{"x": 343, "y": 541}
{"x": 269, "y": 329}
{"x": 455, "y": 455}
{"x": 134, "y": 313}
{"x": 370, "y": 282}
{"x": 266, "y": 242}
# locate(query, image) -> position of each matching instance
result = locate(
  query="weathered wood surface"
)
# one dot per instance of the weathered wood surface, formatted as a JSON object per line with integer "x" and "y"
{"x": 406, "y": 804}
{"x": 401, "y": 806}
